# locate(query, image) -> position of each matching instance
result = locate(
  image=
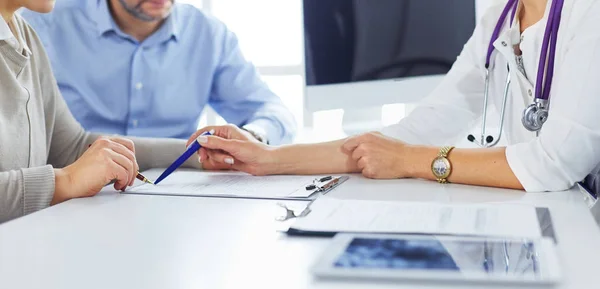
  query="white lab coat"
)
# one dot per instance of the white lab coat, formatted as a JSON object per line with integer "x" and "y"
{"x": 568, "y": 147}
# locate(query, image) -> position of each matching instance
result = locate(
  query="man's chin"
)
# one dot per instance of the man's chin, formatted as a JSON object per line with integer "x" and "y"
{"x": 158, "y": 15}
{"x": 43, "y": 8}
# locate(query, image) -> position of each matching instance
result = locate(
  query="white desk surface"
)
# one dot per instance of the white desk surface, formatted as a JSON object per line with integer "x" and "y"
{"x": 128, "y": 241}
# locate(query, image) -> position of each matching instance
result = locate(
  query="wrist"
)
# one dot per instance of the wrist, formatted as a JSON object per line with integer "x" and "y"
{"x": 274, "y": 161}
{"x": 62, "y": 185}
{"x": 280, "y": 161}
{"x": 420, "y": 158}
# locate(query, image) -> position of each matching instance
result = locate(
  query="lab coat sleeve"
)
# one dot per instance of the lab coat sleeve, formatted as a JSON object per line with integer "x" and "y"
{"x": 568, "y": 147}
{"x": 242, "y": 98}
{"x": 451, "y": 108}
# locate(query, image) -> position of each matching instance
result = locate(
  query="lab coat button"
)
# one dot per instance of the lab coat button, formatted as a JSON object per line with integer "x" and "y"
{"x": 504, "y": 43}
{"x": 530, "y": 92}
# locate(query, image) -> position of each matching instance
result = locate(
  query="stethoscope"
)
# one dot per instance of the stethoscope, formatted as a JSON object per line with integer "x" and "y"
{"x": 536, "y": 114}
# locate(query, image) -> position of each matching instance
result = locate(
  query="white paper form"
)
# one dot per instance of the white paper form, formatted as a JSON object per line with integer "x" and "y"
{"x": 232, "y": 184}
{"x": 354, "y": 216}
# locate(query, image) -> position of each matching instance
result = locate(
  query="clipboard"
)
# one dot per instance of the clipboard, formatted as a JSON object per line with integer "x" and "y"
{"x": 544, "y": 220}
{"x": 191, "y": 183}
{"x": 591, "y": 200}
{"x": 589, "y": 196}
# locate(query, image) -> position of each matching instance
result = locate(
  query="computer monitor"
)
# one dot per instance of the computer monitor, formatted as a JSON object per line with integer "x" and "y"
{"x": 367, "y": 53}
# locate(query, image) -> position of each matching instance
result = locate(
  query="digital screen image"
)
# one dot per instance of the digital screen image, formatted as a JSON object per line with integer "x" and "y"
{"x": 396, "y": 254}
{"x": 497, "y": 257}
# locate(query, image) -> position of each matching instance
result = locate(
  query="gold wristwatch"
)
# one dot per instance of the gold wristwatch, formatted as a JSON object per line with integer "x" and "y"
{"x": 441, "y": 167}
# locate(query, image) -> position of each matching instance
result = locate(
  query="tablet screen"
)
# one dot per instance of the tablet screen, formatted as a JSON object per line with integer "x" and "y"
{"x": 433, "y": 254}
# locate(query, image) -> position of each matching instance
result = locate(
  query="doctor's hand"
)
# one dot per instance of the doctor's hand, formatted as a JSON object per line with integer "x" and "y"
{"x": 378, "y": 156}
{"x": 107, "y": 159}
{"x": 216, "y": 159}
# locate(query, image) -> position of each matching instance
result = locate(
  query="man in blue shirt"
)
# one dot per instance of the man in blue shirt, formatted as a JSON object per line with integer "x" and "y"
{"x": 148, "y": 68}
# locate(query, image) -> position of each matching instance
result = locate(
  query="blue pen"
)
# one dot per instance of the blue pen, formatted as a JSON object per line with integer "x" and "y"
{"x": 193, "y": 148}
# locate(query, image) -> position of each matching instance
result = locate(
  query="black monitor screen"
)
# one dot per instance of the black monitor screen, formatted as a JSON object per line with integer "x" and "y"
{"x": 361, "y": 40}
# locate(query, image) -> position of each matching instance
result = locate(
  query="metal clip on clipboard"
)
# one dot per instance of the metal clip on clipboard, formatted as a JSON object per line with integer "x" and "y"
{"x": 320, "y": 186}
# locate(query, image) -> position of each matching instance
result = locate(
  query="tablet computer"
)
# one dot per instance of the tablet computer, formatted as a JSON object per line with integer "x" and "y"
{"x": 439, "y": 258}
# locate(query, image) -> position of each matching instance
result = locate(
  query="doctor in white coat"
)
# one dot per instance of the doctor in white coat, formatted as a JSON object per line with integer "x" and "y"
{"x": 549, "y": 51}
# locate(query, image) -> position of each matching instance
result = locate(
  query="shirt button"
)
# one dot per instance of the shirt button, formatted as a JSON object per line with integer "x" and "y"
{"x": 139, "y": 86}
{"x": 135, "y": 123}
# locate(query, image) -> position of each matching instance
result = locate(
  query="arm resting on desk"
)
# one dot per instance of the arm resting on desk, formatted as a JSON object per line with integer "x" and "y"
{"x": 375, "y": 155}
{"x": 481, "y": 167}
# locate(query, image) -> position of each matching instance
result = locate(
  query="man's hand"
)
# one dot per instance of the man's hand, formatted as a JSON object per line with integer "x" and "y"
{"x": 378, "y": 156}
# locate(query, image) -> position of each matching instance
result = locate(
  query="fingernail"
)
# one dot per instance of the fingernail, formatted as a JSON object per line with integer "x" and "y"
{"x": 229, "y": 161}
{"x": 200, "y": 159}
{"x": 202, "y": 139}
{"x": 212, "y": 131}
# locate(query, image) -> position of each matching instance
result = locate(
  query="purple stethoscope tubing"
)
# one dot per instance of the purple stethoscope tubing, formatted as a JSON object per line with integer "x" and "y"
{"x": 536, "y": 113}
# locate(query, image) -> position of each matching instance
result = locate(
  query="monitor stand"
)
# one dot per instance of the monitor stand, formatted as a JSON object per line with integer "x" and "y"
{"x": 357, "y": 121}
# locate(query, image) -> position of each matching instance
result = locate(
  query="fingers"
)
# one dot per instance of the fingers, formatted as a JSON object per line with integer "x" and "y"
{"x": 211, "y": 165}
{"x": 126, "y": 164}
{"x": 124, "y": 142}
{"x": 220, "y": 157}
{"x": 199, "y": 132}
{"x": 202, "y": 155}
{"x": 351, "y": 143}
{"x": 120, "y": 174}
{"x": 363, "y": 161}
{"x": 228, "y": 131}
{"x": 125, "y": 152}
{"x": 362, "y": 164}
{"x": 359, "y": 152}
{"x": 214, "y": 142}
{"x": 121, "y": 151}
{"x": 366, "y": 168}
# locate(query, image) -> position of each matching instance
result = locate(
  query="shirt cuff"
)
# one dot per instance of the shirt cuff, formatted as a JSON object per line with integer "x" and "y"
{"x": 265, "y": 128}
{"x": 399, "y": 131}
{"x": 534, "y": 172}
{"x": 38, "y": 185}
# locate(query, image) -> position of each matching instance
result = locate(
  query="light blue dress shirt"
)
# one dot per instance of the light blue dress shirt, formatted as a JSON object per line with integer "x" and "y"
{"x": 159, "y": 87}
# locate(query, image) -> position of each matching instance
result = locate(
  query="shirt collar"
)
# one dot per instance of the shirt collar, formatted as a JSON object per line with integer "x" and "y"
{"x": 98, "y": 10}
{"x": 5, "y": 32}
{"x": 172, "y": 24}
{"x": 7, "y": 35}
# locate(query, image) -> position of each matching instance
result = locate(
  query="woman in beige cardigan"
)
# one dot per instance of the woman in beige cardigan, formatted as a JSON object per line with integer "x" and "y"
{"x": 45, "y": 155}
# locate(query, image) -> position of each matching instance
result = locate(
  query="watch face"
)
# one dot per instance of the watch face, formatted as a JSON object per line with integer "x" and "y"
{"x": 441, "y": 167}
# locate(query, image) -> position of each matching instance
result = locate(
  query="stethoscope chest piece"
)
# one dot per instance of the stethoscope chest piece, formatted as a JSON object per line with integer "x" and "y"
{"x": 535, "y": 115}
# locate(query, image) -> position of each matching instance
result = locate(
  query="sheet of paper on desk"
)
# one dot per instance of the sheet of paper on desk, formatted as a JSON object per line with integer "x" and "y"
{"x": 234, "y": 184}
{"x": 330, "y": 215}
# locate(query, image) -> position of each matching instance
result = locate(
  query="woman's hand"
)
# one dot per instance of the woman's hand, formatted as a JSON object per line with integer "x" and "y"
{"x": 248, "y": 156}
{"x": 378, "y": 156}
{"x": 215, "y": 159}
{"x": 106, "y": 160}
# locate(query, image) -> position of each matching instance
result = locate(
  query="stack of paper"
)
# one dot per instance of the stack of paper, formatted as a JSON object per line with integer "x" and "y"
{"x": 353, "y": 216}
